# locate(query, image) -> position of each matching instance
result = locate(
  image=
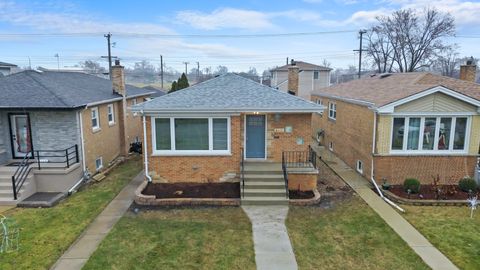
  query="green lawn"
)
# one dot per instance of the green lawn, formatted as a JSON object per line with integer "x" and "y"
{"x": 198, "y": 238}
{"x": 348, "y": 236}
{"x": 451, "y": 230}
{"x": 46, "y": 233}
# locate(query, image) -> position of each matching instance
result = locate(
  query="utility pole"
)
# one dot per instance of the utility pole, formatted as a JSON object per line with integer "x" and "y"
{"x": 108, "y": 36}
{"x": 360, "y": 50}
{"x": 161, "y": 69}
{"x": 198, "y": 71}
{"x": 186, "y": 67}
{"x": 58, "y": 60}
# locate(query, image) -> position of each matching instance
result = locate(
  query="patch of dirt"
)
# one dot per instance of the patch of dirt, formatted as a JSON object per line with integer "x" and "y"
{"x": 193, "y": 190}
{"x": 297, "y": 194}
{"x": 427, "y": 192}
{"x": 331, "y": 187}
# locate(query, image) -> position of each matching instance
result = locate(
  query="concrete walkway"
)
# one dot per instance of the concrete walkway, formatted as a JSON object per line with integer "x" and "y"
{"x": 270, "y": 238}
{"x": 430, "y": 255}
{"x": 79, "y": 252}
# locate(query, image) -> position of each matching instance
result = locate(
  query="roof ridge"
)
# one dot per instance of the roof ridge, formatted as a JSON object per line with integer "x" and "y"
{"x": 46, "y": 88}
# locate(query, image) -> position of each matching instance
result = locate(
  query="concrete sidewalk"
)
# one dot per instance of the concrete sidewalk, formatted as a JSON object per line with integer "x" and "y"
{"x": 81, "y": 250}
{"x": 430, "y": 255}
{"x": 270, "y": 238}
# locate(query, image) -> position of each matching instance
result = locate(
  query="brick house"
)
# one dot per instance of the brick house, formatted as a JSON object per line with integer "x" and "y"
{"x": 63, "y": 124}
{"x": 395, "y": 126}
{"x": 309, "y": 78}
{"x": 205, "y": 132}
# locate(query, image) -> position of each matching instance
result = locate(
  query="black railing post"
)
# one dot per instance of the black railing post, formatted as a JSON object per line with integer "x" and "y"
{"x": 76, "y": 153}
{"x": 38, "y": 159}
{"x": 14, "y": 188}
{"x": 68, "y": 159}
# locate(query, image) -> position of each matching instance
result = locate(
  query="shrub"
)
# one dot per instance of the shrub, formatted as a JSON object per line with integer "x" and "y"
{"x": 412, "y": 184}
{"x": 467, "y": 184}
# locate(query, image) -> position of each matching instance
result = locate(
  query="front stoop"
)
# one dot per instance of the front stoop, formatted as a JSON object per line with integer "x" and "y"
{"x": 264, "y": 184}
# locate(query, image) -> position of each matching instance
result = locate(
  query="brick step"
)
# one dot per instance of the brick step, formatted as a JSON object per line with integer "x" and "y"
{"x": 261, "y": 192}
{"x": 264, "y": 201}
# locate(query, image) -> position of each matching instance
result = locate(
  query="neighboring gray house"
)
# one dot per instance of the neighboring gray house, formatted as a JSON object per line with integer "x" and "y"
{"x": 311, "y": 77}
{"x": 7, "y": 68}
{"x": 46, "y": 118}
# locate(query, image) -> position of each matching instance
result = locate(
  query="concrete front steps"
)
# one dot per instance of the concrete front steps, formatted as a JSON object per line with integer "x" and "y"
{"x": 264, "y": 184}
{"x": 6, "y": 191}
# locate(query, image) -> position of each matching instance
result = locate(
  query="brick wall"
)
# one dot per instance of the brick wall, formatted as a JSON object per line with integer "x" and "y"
{"x": 213, "y": 168}
{"x": 104, "y": 142}
{"x": 397, "y": 168}
{"x": 196, "y": 168}
{"x": 351, "y": 132}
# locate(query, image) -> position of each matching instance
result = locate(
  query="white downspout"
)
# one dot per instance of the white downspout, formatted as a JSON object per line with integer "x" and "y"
{"x": 145, "y": 148}
{"x": 371, "y": 172}
{"x": 82, "y": 143}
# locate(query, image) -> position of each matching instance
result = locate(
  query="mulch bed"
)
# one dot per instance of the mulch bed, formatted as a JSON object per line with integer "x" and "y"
{"x": 427, "y": 192}
{"x": 193, "y": 190}
{"x": 297, "y": 194}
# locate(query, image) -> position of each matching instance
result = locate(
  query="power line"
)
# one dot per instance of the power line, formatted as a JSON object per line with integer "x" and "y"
{"x": 146, "y": 35}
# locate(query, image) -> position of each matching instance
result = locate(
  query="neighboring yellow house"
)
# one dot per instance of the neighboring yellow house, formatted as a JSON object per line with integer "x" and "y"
{"x": 394, "y": 126}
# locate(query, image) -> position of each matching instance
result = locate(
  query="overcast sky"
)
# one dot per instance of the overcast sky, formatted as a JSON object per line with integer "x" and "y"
{"x": 205, "y": 17}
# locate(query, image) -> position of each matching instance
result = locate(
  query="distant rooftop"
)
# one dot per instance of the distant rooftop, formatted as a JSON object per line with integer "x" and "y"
{"x": 382, "y": 89}
{"x": 4, "y": 64}
{"x": 303, "y": 66}
{"x": 60, "y": 90}
{"x": 228, "y": 93}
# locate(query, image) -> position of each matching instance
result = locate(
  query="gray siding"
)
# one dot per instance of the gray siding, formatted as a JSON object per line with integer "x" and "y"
{"x": 306, "y": 83}
{"x": 51, "y": 130}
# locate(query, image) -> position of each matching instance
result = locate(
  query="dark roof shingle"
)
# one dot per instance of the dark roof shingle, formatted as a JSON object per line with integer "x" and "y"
{"x": 33, "y": 89}
{"x": 303, "y": 66}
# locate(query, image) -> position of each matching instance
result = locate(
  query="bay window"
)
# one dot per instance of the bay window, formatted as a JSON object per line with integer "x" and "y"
{"x": 196, "y": 135}
{"x": 429, "y": 134}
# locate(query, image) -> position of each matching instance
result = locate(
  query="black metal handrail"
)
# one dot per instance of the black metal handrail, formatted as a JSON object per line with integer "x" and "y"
{"x": 285, "y": 175}
{"x": 21, "y": 174}
{"x": 68, "y": 156}
{"x": 242, "y": 172}
{"x": 300, "y": 159}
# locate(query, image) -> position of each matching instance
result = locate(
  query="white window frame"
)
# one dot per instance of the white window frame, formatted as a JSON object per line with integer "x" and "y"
{"x": 435, "y": 150}
{"x": 98, "y": 168}
{"x": 134, "y": 101}
{"x": 174, "y": 152}
{"x": 94, "y": 109}
{"x": 319, "y": 102}
{"x": 318, "y": 75}
{"x": 359, "y": 166}
{"x": 330, "y": 146}
{"x": 332, "y": 110}
{"x": 111, "y": 112}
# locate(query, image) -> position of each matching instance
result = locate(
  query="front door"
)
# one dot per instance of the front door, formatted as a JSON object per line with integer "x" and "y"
{"x": 255, "y": 136}
{"x": 20, "y": 135}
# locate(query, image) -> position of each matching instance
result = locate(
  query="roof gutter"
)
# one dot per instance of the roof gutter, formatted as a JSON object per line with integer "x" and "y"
{"x": 170, "y": 111}
{"x": 371, "y": 105}
{"x": 115, "y": 99}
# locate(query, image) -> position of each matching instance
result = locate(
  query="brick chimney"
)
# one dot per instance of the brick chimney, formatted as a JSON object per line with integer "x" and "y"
{"x": 118, "y": 85}
{"x": 118, "y": 79}
{"x": 293, "y": 78}
{"x": 468, "y": 72}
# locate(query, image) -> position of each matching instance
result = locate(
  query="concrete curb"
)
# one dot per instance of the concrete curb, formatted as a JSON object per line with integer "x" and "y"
{"x": 306, "y": 202}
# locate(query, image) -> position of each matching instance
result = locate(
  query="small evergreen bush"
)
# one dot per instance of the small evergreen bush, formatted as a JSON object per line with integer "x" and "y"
{"x": 467, "y": 184}
{"x": 412, "y": 184}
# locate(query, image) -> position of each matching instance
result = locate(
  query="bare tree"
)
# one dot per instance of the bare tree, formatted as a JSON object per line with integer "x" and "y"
{"x": 447, "y": 62}
{"x": 93, "y": 67}
{"x": 408, "y": 39}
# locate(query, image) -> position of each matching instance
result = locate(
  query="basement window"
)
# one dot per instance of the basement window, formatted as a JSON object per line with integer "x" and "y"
{"x": 98, "y": 163}
{"x": 330, "y": 146}
{"x": 360, "y": 166}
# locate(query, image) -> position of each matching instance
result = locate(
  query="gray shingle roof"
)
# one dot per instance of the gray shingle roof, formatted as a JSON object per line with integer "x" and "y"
{"x": 228, "y": 93}
{"x": 5, "y": 64}
{"x": 33, "y": 89}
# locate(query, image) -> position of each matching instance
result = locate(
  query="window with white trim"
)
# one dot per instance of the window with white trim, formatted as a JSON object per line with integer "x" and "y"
{"x": 319, "y": 102}
{"x": 360, "y": 166}
{"x": 198, "y": 135}
{"x": 332, "y": 110}
{"x": 330, "y": 146}
{"x": 94, "y": 117}
{"x": 315, "y": 75}
{"x": 110, "y": 114}
{"x": 430, "y": 134}
{"x": 98, "y": 163}
{"x": 134, "y": 101}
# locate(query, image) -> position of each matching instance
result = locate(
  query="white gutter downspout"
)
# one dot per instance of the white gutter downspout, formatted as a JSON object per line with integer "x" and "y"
{"x": 371, "y": 172}
{"x": 82, "y": 145}
{"x": 145, "y": 148}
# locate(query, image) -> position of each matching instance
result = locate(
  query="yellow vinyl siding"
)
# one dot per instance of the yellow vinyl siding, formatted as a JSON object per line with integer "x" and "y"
{"x": 437, "y": 102}
{"x": 384, "y": 126}
{"x": 474, "y": 136}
